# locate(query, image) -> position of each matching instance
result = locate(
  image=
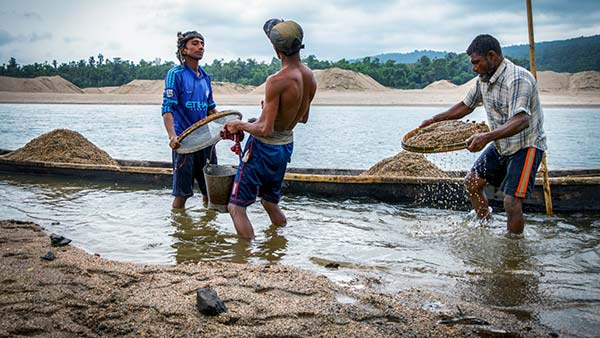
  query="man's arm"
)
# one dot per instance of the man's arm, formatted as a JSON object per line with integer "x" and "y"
{"x": 311, "y": 96}
{"x": 170, "y": 96}
{"x": 264, "y": 125}
{"x": 513, "y": 126}
{"x": 304, "y": 118}
{"x": 455, "y": 112}
{"x": 170, "y": 127}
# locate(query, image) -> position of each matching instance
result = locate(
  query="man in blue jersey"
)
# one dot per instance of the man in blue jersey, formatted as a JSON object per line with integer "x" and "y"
{"x": 288, "y": 94}
{"x": 187, "y": 99}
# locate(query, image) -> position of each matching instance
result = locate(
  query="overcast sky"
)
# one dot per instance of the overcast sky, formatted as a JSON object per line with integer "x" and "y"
{"x": 38, "y": 31}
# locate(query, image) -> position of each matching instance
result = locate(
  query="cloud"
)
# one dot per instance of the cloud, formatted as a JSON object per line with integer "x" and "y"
{"x": 37, "y": 37}
{"x": 333, "y": 29}
{"x": 6, "y": 37}
{"x": 33, "y": 16}
{"x": 72, "y": 39}
{"x": 113, "y": 45}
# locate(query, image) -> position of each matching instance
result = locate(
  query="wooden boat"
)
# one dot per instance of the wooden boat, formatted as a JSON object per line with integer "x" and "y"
{"x": 572, "y": 190}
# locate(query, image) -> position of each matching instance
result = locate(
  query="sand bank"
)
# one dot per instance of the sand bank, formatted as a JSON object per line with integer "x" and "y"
{"x": 337, "y": 87}
{"x": 442, "y": 98}
{"x": 80, "y": 294}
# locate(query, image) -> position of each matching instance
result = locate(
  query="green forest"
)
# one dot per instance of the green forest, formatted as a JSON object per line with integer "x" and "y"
{"x": 567, "y": 55}
{"x": 101, "y": 72}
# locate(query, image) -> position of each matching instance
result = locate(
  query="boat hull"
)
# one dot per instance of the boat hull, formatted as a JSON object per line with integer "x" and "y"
{"x": 572, "y": 190}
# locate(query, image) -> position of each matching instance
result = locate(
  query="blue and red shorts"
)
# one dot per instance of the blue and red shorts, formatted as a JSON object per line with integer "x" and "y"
{"x": 187, "y": 168}
{"x": 514, "y": 174}
{"x": 262, "y": 172}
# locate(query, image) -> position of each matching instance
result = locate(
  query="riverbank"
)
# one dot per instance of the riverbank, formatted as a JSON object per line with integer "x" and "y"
{"x": 81, "y": 294}
{"x": 395, "y": 97}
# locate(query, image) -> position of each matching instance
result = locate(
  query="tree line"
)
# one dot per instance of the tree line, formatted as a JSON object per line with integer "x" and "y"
{"x": 102, "y": 72}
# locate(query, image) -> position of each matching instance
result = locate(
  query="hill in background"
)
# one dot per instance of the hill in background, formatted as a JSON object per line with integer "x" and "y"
{"x": 122, "y": 76}
{"x": 332, "y": 79}
{"x": 411, "y": 57}
{"x": 571, "y": 55}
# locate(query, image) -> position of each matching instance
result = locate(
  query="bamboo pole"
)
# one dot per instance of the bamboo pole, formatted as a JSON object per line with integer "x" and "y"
{"x": 547, "y": 192}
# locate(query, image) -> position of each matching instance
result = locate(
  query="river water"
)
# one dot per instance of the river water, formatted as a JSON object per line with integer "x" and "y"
{"x": 551, "y": 273}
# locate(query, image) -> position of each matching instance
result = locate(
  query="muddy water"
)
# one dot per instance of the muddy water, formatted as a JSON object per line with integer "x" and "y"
{"x": 336, "y": 137}
{"x": 551, "y": 273}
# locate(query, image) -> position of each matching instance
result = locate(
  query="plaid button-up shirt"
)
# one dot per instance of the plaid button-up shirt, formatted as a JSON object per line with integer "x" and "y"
{"x": 510, "y": 91}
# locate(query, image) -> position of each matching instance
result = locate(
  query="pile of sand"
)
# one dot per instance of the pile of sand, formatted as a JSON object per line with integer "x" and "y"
{"x": 61, "y": 146}
{"x": 156, "y": 87}
{"x": 336, "y": 79}
{"x": 41, "y": 84}
{"x": 141, "y": 87}
{"x": 228, "y": 88}
{"x": 585, "y": 81}
{"x": 553, "y": 82}
{"x": 550, "y": 81}
{"x": 405, "y": 164}
{"x": 342, "y": 80}
{"x": 441, "y": 84}
{"x": 445, "y": 133}
{"x": 468, "y": 85}
{"x": 99, "y": 90}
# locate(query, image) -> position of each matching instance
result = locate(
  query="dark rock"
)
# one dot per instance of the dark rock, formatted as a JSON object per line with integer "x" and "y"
{"x": 209, "y": 303}
{"x": 49, "y": 256}
{"x": 332, "y": 265}
{"x": 58, "y": 240}
{"x": 55, "y": 223}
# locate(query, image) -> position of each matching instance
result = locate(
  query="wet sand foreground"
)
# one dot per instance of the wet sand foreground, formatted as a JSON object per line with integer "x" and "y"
{"x": 81, "y": 294}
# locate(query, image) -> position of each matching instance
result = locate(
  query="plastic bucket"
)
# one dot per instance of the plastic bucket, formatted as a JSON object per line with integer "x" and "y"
{"x": 219, "y": 181}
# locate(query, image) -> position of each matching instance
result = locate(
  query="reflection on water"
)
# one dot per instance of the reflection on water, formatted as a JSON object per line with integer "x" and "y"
{"x": 200, "y": 240}
{"x": 504, "y": 271}
{"x": 551, "y": 273}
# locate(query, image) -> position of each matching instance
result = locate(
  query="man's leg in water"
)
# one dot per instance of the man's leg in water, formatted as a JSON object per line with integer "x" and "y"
{"x": 179, "y": 202}
{"x": 275, "y": 214}
{"x": 514, "y": 210}
{"x": 479, "y": 201}
{"x": 241, "y": 221}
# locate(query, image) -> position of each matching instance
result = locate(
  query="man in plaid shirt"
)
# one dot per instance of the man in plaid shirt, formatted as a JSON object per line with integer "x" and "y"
{"x": 510, "y": 97}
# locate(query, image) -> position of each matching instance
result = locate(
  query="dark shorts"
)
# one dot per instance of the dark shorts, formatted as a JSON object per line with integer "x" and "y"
{"x": 262, "y": 173}
{"x": 514, "y": 174}
{"x": 186, "y": 168}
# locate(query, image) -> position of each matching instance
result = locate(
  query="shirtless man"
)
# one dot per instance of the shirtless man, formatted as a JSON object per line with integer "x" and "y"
{"x": 268, "y": 150}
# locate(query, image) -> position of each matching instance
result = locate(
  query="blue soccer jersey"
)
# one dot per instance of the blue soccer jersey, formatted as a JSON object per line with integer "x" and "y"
{"x": 188, "y": 96}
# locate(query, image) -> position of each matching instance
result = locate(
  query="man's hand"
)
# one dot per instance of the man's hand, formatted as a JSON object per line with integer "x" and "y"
{"x": 174, "y": 142}
{"x": 477, "y": 142}
{"x": 427, "y": 122}
{"x": 233, "y": 126}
